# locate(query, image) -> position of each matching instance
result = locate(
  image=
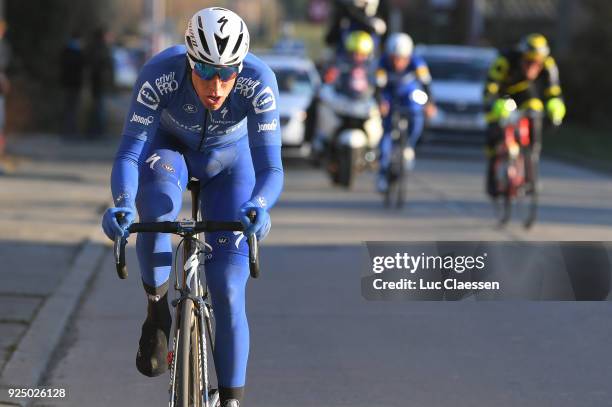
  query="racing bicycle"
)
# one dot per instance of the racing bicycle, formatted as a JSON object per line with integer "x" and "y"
{"x": 514, "y": 185}
{"x": 401, "y": 160}
{"x": 192, "y": 340}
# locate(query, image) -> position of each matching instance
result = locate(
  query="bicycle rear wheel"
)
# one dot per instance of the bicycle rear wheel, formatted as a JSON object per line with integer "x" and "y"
{"x": 530, "y": 204}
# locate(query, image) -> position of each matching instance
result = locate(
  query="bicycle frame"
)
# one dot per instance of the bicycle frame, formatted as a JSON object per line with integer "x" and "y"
{"x": 516, "y": 138}
{"x": 512, "y": 163}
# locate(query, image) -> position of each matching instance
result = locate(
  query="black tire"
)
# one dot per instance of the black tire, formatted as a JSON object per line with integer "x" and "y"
{"x": 503, "y": 201}
{"x": 188, "y": 362}
{"x": 347, "y": 165}
{"x": 396, "y": 178}
{"x": 504, "y": 209}
{"x": 401, "y": 178}
{"x": 531, "y": 210}
{"x": 401, "y": 188}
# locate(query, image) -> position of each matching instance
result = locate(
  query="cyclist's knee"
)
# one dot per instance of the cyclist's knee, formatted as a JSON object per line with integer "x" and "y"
{"x": 229, "y": 302}
{"x": 158, "y": 201}
{"x": 227, "y": 284}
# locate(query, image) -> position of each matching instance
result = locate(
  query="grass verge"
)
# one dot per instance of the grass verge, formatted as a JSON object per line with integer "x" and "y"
{"x": 590, "y": 147}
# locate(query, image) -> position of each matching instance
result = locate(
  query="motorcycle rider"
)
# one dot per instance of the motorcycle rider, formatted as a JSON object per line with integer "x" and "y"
{"x": 359, "y": 49}
{"x": 398, "y": 71}
{"x": 352, "y": 74}
{"x": 354, "y": 15}
{"x": 529, "y": 75}
{"x": 348, "y": 16}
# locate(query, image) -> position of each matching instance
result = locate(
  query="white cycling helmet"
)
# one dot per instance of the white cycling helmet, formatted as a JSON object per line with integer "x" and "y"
{"x": 216, "y": 36}
{"x": 399, "y": 44}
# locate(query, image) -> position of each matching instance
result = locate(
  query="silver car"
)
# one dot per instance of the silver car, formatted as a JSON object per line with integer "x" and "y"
{"x": 298, "y": 81}
{"x": 459, "y": 74}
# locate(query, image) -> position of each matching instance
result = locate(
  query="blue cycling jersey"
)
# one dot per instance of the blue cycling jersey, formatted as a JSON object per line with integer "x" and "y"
{"x": 165, "y": 100}
{"x": 416, "y": 70}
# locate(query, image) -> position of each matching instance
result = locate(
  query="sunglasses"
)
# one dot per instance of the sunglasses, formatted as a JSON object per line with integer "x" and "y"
{"x": 207, "y": 71}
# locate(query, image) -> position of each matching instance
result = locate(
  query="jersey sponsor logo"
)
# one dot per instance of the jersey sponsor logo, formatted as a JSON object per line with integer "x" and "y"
{"x": 240, "y": 237}
{"x": 262, "y": 201}
{"x": 147, "y": 96}
{"x": 152, "y": 160}
{"x": 166, "y": 83}
{"x": 121, "y": 198}
{"x": 168, "y": 168}
{"x": 189, "y": 108}
{"x": 223, "y": 240}
{"x": 224, "y": 112}
{"x": 145, "y": 121}
{"x": 246, "y": 86}
{"x": 173, "y": 121}
{"x": 264, "y": 101}
{"x": 272, "y": 126}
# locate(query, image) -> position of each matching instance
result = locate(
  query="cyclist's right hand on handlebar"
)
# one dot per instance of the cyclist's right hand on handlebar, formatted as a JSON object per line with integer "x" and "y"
{"x": 116, "y": 221}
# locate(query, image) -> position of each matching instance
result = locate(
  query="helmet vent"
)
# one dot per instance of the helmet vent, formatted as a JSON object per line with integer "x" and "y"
{"x": 205, "y": 58}
{"x": 237, "y": 44}
{"x": 233, "y": 61}
{"x": 221, "y": 43}
{"x": 188, "y": 42}
{"x": 203, "y": 40}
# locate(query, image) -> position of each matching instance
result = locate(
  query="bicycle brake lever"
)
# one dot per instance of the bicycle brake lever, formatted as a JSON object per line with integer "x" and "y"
{"x": 119, "y": 251}
{"x": 253, "y": 249}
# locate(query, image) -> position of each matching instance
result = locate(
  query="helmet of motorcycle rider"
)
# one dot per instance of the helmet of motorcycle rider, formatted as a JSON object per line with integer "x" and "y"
{"x": 399, "y": 44}
{"x": 216, "y": 36}
{"x": 534, "y": 47}
{"x": 369, "y": 7}
{"x": 359, "y": 42}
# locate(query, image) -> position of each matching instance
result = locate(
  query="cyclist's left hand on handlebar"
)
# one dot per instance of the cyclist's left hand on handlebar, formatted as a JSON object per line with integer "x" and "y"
{"x": 115, "y": 225}
{"x": 262, "y": 224}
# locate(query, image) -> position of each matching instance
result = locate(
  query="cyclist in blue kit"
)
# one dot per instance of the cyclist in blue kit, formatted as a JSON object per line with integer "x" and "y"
{"x": 400, "y": 72}
{"x": 206, "y": 110}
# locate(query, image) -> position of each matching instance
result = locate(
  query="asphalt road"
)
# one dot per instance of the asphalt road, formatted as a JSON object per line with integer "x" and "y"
{"x": 317, "y": 342}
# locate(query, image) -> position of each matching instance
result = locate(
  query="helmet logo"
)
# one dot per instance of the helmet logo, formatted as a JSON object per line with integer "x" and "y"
{"x": 222, "y": 21}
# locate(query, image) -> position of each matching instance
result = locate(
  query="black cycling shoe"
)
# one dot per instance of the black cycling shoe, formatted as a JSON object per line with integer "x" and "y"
{"x": 151, "y": 359}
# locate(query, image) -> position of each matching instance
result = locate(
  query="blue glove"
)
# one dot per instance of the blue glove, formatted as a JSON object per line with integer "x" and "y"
{"x": 261, "y": 226}
{"x": 112, "y": 226}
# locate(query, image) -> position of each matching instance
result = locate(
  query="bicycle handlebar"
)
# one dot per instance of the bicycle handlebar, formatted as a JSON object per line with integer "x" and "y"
{"x": 182, "y": 227}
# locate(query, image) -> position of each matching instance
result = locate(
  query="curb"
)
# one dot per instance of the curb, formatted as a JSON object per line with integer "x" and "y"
{"x": 29, "y": 361}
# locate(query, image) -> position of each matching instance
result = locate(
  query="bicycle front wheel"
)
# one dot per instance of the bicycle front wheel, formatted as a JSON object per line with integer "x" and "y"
{"x": 189, "y": 366}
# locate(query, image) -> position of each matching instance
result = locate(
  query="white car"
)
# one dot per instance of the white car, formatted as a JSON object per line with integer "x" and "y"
{"x": 458, "y": 79}
{"x": 298, "y": 81}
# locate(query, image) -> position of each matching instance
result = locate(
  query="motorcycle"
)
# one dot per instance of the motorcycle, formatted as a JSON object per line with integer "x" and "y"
{"x": 349, "y": 128}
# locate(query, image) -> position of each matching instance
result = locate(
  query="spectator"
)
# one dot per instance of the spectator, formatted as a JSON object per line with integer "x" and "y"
{"x": 72, "y": 64}
{"x": 100, "y": 61}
